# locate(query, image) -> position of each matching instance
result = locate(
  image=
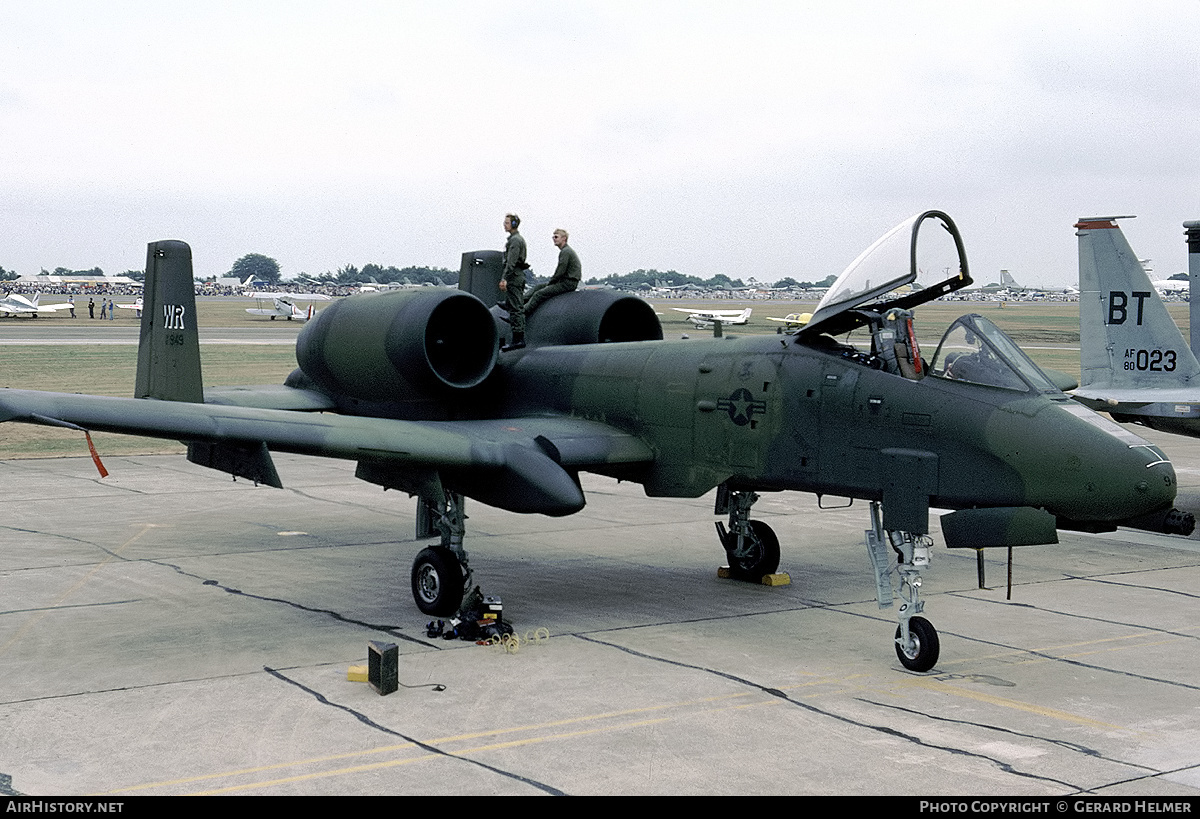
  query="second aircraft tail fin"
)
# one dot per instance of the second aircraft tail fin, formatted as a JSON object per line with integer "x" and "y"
{"x": 1127, "y": 339}
{"x": 169, "y": 347}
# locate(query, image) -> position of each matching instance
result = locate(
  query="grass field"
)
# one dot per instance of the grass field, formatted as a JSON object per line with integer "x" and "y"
{"x": 1047, "y": 331}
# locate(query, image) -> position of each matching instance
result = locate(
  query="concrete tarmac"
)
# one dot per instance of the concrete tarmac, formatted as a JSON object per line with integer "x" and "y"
{"x": 166, "y": 630}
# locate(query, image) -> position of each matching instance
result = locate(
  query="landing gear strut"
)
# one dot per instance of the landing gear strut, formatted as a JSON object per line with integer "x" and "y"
{"x": 440, "y": 574}
{"x": 750, "y": 545}
{"x": 917, "y": 645}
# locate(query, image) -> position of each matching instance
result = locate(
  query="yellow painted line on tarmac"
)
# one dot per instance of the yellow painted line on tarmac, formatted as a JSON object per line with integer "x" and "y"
{"x": 933, "y": 684}
{"x": 729, "y": 700}
{"x": 398, "y": 762}
{"x": 442, "y": 741}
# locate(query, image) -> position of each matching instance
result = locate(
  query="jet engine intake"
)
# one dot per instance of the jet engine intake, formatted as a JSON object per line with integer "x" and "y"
{"x": 591, "y": 317}
{"x": 399, "y": 344}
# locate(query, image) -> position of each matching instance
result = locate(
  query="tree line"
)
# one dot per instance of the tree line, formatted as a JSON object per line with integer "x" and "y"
{"x": 267, "y": 270}
{"x": 672, "y": 278}
{"x": 11, "y": 275}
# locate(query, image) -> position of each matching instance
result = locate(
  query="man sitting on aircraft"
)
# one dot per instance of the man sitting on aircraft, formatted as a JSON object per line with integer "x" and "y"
{"x": 566, "y": 276}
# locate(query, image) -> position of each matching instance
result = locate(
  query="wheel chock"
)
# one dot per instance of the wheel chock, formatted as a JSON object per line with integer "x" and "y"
{"x": 776, "y": 579}
{"x": 356, "y": 673}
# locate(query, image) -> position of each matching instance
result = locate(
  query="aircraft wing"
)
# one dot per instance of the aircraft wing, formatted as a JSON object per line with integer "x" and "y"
{"x": 716, "y": 313}
{"x": 518, "y": 464}
{"x": 13, "y": 305}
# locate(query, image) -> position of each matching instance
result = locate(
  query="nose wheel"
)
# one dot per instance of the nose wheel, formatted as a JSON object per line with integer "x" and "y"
{"x": 919, "y": 649}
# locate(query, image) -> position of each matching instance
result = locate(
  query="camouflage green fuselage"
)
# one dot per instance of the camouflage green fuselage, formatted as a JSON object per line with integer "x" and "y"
{"x": 770, "y": 413}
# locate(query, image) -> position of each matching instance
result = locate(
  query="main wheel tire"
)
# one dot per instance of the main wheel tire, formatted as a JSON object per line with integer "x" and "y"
{"x": 437, "y": 581}
{"x": 763, "y": 557}
{"x": 925, "y": 648}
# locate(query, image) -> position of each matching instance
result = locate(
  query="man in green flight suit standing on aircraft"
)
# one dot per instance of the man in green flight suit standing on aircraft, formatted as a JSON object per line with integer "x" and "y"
{"x": 513, "y": 282}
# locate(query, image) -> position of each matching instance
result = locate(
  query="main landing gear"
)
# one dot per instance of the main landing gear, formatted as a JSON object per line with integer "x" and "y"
{"x": 750, "y": 545}
{"x": 440, "y": 574}
{"x": 917, "y": 645}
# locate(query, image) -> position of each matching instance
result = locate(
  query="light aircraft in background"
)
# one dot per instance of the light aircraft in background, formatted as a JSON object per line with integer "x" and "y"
{"x": 1135, "y": 364}
{"x": 792, "y": 321}
{"x": 14, "y": 304}
{"x": 410, "y": 385}
{"x": 283, "y": 305}
{"x": 136, "y": 305}
{"x": 704, "y": 319}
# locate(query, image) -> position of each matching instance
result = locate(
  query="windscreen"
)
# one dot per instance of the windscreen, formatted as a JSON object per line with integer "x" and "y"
{"x": 977, "y": 351}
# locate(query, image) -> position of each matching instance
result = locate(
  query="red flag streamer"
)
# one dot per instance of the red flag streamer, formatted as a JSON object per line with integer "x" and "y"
{"x": 95, "y": 457}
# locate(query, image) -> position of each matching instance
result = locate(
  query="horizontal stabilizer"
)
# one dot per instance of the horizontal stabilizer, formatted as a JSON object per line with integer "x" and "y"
{"x": 270, "y": 396}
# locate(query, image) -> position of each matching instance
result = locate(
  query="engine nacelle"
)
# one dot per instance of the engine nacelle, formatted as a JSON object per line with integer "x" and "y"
{"x": 591, "y": 317}
{"x": 399, "y": 345}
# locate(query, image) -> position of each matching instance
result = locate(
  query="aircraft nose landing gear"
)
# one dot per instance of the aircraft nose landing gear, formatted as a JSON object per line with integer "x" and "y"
{"x": 917, "y": 644}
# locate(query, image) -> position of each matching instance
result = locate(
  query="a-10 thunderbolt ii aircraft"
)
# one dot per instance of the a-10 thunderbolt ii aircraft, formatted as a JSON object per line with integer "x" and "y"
{"x": 411, "y": 386}
{"x": 1135, "y": 363}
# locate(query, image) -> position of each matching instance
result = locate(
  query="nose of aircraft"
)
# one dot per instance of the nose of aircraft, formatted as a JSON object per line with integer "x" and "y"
{"x": 1097, "y": 472}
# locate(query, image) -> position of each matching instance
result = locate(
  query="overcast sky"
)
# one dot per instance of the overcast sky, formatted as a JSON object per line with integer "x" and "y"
{"x": 755, "y": 139}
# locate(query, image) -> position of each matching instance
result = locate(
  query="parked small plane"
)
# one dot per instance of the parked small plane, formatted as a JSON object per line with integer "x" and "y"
{"x": 411, "y": 386}
{"x": 14, "y": 304}
{"x": 283, "y": 305}
{"x": 136, "y": 305}
{"x": 704, "y": 319}
{"x": 792, "y": 321}
{"x": 1135, "y": 363}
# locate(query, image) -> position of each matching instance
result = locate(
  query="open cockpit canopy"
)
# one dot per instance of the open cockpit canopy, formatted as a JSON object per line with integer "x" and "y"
{"x": 897, "y": 271}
